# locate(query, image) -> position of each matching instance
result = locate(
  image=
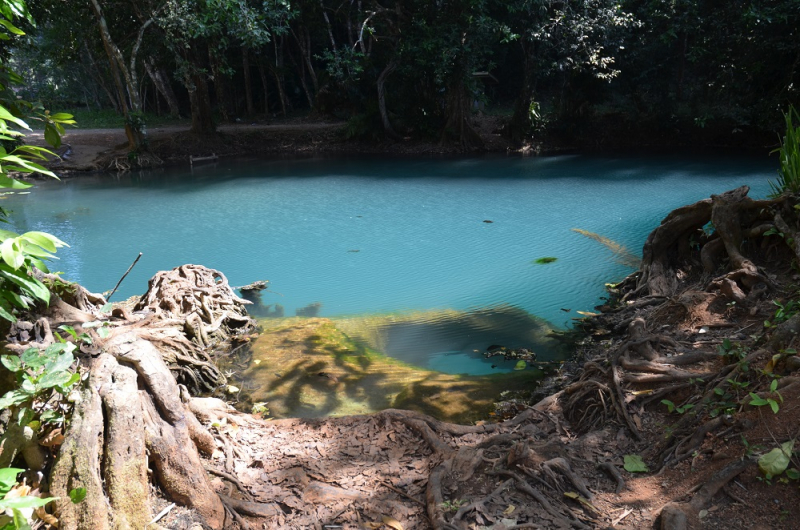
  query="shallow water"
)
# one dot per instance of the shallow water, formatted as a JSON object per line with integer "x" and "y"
{"x": 381, "y": 235}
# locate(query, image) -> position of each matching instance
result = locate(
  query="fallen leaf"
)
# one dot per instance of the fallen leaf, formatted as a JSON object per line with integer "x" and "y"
{"x": 52, "y": 438}
{"x": 776, "y": 461}
{"x": 509, "y": 510}
{"x": 582, "y": 500}
{"x": 635, "y": 464}
{"x": 391, "y": 522}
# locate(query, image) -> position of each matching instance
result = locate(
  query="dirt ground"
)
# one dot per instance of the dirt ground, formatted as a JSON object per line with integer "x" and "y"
{"x": 565, "y": 461}
{"x": 95, "y": 149}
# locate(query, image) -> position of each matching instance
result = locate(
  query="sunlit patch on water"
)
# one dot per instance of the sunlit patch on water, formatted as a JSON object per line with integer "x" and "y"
{"x": 307, "y": 367}
{"x": 455, "y": 342}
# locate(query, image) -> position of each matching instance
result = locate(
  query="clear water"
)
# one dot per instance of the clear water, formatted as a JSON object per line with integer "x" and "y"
{"x": 380, "y": 235}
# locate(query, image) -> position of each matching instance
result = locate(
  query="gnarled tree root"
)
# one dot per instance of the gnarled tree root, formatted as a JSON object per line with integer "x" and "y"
{"x": 131, "y": 412}
{"x": 676, "y": 516}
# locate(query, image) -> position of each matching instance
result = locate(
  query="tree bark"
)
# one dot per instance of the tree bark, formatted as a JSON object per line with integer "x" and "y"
{"x": 202, "y": 115}
{"x": 381, "y": 84}
{"x": 163, "y": 87}
{"x": 520, "y": 124}
{"x": 122, "y": 72}
{"x": 220, "y": 86}
{"x": 262, "y": 72}
{"x": 248, "y": 82}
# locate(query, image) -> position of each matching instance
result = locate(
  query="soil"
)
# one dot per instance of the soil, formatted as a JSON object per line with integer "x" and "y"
{"x": 688, "y": 328}
{"x": 94, "y": 149}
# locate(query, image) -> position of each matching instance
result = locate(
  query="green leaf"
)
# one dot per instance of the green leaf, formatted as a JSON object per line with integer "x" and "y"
{"x": 13, "y": 184}
{"x": 25, "y": 502}
{"x": 47, "y": 241}
{"x": 11, "y": 27}
{"x": 8, "y": 477}
{"x": 6, "y": 311}
{"x": 635, "y": 464}
{"x": 11, "y": 251}
{"x": 756, "y": 401}
{"x": 12, "y": 362}
{"x": 51, "y": 379}
{"x": 33, "y": 358}
{"x": 61, "y": 116}
{"x": 7, "y": 116}
{"x": 104, "y": 333}
{"x": 28, "y": 386}
{"x": 60, "y": 363}
{"x": 773, "y": 405}
{"x": 793, "y": 474}
{"x": 77, "y": 495}
{"x": 776, "y": 461}
{"x": 30, "y": 285}
{"x": 66, "y": 386}
{"x": 14, "y": 397}
{"x": 51, "y": 416}
{"x": 51, "y": 135}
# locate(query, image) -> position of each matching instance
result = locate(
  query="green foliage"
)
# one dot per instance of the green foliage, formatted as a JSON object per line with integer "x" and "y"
{"x": 635, "y": 464}
{"x": 38, "y": 374}
{"x": 758, "y": 401}
{"x": 453, "y": 505}
{"x": 545, "y": 260}
{"x": 789, "y": 156}
{"x": 777, "y": 461}
{"x": 783, "y": 313}
{"x": 260, "y": 408}
{"x": 77, "y": 495}
{"x": 671, "y": 407}
{"x": 22, "y": 254}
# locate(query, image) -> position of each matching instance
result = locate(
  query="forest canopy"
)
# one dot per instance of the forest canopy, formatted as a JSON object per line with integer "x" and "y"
{"x": 420, "y": 68}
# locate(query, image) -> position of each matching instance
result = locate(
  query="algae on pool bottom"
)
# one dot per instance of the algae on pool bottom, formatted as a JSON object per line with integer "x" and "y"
{"x": 309, "y": 368}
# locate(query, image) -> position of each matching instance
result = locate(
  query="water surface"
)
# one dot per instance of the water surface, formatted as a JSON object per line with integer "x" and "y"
{"x": 358, "y": 236}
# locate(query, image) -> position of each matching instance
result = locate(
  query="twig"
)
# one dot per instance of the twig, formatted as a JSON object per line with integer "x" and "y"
{"x": 625, "y": 514}
{"x": 114, "y": 290}
{"x": 230, "y": 478}
{"x": 161, "y": 514}
{"x": 403, "y": 493}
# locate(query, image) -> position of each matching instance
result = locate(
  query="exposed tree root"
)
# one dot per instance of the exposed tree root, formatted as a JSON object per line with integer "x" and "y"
{"x": 130, "y": 413}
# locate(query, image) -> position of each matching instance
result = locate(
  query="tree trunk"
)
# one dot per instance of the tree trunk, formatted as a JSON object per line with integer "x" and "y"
{"x": 162, "y": 85}
{"x": 202, "y": 115}
{"x": 387, "y": 125}
{"x": 279, "y": 78}
{"x": 248, "y": 83}
{"x": 120, "y": 70}
{"x": 303, "y": 41}
{"x": 262, "y": 72}
{"x": 301, "y": 73}
{"x": 456, "y": 126}
{"x": 220, "y": 88}
{"x": 132, "y": 412}
{"x": 98, "y": 76}
{"x": 520, "y": 125}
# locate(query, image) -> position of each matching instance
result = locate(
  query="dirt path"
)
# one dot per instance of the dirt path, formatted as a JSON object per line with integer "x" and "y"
{"x": 84, "y": 149}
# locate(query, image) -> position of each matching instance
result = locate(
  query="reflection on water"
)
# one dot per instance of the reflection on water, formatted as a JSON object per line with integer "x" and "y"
{"x": 454, "y": 341}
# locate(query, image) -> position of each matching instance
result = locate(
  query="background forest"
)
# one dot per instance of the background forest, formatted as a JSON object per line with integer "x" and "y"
{"x": 598, "y": 73}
